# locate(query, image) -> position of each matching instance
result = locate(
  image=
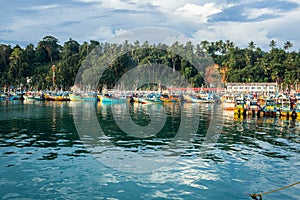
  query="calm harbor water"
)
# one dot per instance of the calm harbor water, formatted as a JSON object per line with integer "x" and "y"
{"x": 42, "y": 155}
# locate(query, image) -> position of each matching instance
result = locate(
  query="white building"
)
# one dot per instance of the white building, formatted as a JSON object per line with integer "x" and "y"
{"x": 267, "y": 88}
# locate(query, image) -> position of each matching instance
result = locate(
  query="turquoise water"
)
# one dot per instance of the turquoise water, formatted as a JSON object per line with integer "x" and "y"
{"x": 42, "y": 155}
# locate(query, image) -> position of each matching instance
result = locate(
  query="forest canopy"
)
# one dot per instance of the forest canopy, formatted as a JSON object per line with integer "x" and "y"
{"x": 50, "y": 65}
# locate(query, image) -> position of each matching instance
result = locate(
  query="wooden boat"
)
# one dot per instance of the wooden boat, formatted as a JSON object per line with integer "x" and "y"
{"x": 252, "y": 107}
{"x": 295, "y": 113}
{"x": 190, "y": 99}
{"x": 169, "y": 98}
{"x": 3, "y": 96}
{"x": 29, "y": 96}
{"x": 205, "y": 98}
{"x": 240, "y": 106}
{"x": 285, "y": 108}
{"x": 208, "y": 100}
{"x": 83, "y": 97}
{"x": 270, "y": 108}
{"x": 109, "y": 98}
{"x": 149, "y": 99}
{"x": 62, "y": 98}
{"x": 39, "y": 97}
{"x": 49, "y": 97}
{"x": 16, "y": 96}
{"x": 228, "y": 102}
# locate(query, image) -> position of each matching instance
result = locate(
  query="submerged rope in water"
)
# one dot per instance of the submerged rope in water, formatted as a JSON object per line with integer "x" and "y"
{"x": 259, "y": 195}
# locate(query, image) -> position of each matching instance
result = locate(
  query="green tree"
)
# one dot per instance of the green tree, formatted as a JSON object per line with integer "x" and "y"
{"x": 50, "y": 44}
{"x": 287, "y": 45}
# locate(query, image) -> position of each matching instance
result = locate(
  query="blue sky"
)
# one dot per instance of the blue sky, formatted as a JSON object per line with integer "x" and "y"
{"x": 28, "y": 21}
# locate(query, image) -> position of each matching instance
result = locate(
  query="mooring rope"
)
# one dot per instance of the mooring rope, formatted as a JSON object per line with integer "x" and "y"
{"x": 259, "y": 195}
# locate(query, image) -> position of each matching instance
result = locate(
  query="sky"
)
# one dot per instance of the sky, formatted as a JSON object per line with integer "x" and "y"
{"x": 28, "y": 21}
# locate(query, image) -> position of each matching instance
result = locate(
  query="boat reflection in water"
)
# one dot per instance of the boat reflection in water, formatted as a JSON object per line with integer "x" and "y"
{"x": 52, "y": 150}
{"x": 272, "y": 125}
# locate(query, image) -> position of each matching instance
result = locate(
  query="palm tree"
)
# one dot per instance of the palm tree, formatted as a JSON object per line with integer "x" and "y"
{"x": 15, "y": 63}
{"x": 287, "y": 45}
{"x": 228, "y": 45}
{"x": 272, "y": 44}
{"x": 251, "y": 45}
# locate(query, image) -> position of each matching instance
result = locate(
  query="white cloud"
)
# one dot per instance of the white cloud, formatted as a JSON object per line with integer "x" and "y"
{"x": 254, "y": 13}
{"x": 102, "y": 19}
{"x": 150, "y": 34}
{"x": 116, "y": 5}
{"x": 88, "y": 1}
{"x": 194, "y": 11}
{"x": 102, "y": 33}
{"x": 167, "y": 6}
{"x": 239, "y": 33}
{"x": 42, "y": 7}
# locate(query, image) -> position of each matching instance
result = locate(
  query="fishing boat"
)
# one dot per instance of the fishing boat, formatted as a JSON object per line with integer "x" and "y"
{"x": 54, "y": 96}
{"x": 62, "y": 98}
{"x": 240, "y": 106}
{"x": 49, "y": 96}
{"x": 169, "y": 98}
{"x": 16, "y": 96}
{"x": 190, "y": 99}
{"x": 252, "y": 107}
{"x": 228, "y": 102}
{"x": 205, "y": 98}
{"x": 3, "y": 96}
{"x": 295, "y": 113}
{"x": 285, "y": 107}
{"x": 112, "y": 98}
{"x": 270, "y": 109}
{"x": 29, "y": 96}
{"x": 149, "y": 98}
{"x": 83, "y": 97}
{"x": 39, "y": 96}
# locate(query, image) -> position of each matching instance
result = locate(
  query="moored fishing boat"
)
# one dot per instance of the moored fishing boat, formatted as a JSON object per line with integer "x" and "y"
{"x": 169, "y": 98}
{"x": 240, "y": 106}
{"x": 110, "y": 98}
{"x": 3, "y": 96}
{"x": 285, "y": 108}
{"x": 29, "y": 96}
{"x": 83, "y": 97}
{"x": 61, "y": 98}
{"x": 149, "y": 99}
{"x": 205, "y": 98}
{"x": 39, "y": 96}
{"x": 49, "y": 97}
{"x": 270, "y": 109}
{"x": 228, "y": 102}
{"x": 16, "y": 96}
{"x": 190, "y": 99}
{"x": 252, "y": 107}
{"x": 295, "y": 113}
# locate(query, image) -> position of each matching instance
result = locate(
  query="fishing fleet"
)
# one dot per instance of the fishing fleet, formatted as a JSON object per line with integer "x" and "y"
{"x": 240, "y": 104}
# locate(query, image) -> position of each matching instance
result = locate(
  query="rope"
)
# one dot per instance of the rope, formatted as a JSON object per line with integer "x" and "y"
{"x": 259, "y": 196}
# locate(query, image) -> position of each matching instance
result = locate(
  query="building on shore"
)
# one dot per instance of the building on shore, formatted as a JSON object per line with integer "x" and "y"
{"x": 262, "y": 88}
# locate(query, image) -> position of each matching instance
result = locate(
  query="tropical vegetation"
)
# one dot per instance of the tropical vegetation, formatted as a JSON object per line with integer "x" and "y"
{"x": 50, "y": 65}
